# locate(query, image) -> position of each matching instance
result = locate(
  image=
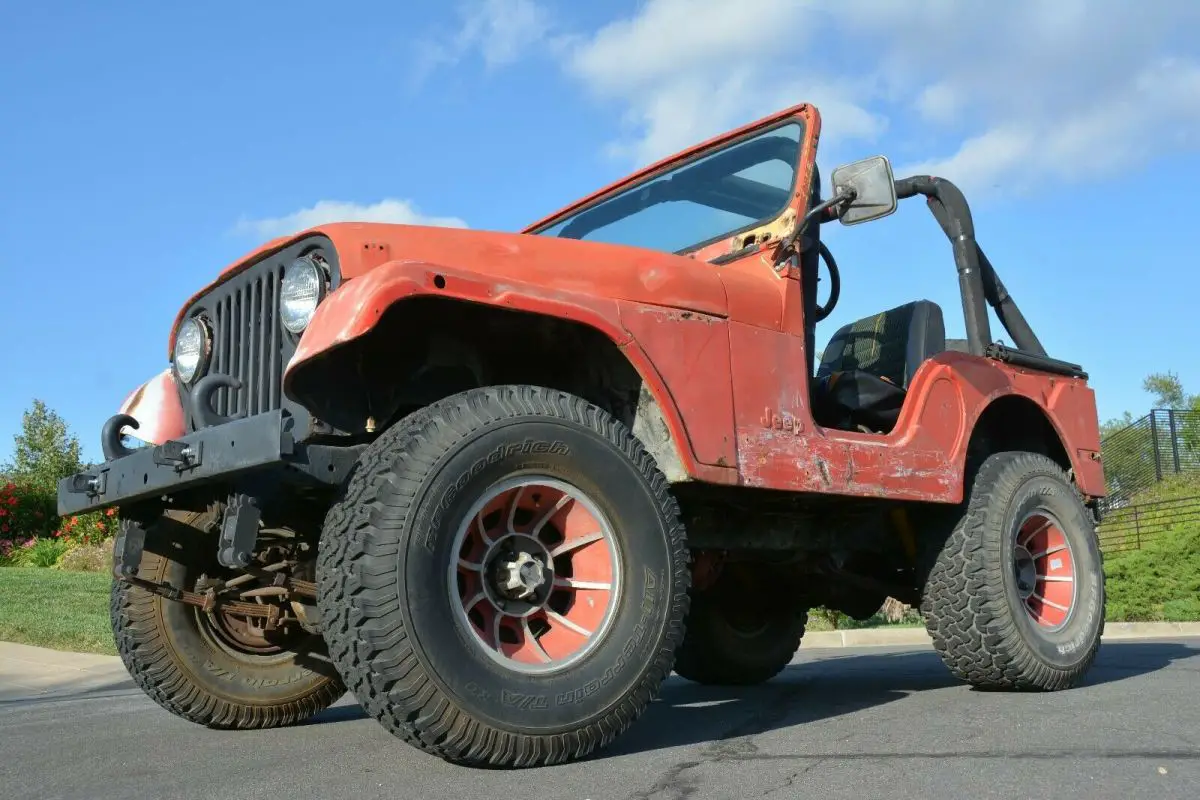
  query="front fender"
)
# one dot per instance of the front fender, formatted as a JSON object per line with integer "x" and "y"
{"x": 156, "y": 407}
{"x": 354, "y": 309}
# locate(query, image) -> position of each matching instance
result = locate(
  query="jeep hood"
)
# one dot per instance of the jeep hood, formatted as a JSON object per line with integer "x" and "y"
{"x": 567, "y": 265}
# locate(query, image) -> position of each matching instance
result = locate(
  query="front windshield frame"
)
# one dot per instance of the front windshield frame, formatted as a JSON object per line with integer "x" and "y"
{"x": 796, "y": 150}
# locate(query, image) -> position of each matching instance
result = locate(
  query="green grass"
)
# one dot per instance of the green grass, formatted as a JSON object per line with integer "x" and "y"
{"x": 56, "y": 609}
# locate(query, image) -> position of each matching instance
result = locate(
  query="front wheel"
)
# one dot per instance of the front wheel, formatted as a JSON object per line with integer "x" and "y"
{"x": 504, "y": 581}
{"x": 1015, "y": 599}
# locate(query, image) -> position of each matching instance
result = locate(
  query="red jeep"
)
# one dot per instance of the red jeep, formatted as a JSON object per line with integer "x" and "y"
{"x": 500, "y": 485}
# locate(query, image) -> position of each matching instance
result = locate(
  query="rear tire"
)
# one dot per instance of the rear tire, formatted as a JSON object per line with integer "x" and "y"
{"x": 1015, "y": 599}
{"x": 176, "y": 656}
{"x": 737, "y": 635}
{"x": 418, "y": 621}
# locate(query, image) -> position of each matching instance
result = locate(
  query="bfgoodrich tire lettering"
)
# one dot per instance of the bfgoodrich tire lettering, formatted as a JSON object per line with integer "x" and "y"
{"x": 384, "y": 583}
{"x": 972, "y": 602}
{"x": 189, "y": 673}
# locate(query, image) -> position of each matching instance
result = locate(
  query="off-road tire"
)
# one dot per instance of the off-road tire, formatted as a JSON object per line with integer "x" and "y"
{"x": 717, "y": 651}
{"x": 183, "y": 670}
{"x": 383, "y": 584}
{"x": 972, "y": 611}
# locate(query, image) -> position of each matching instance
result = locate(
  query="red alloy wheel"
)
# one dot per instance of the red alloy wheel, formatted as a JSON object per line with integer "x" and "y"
{"x": 537, "y": 575}
{"x": 1044, "y": 568}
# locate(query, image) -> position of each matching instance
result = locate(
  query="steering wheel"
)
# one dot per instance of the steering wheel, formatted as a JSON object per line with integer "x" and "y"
{"x": 835, "y": 282}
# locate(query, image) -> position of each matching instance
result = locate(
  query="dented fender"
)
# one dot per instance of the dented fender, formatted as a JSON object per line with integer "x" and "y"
{"x": 156, "y": 407}
{"x": 355, "y": 307}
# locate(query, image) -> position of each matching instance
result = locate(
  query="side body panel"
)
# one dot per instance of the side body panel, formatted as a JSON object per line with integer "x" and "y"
{"x": 923, "y": 458}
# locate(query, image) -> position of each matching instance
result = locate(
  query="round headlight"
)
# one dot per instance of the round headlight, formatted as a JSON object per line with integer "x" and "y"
{"x": 300, "y": 292}
{"x": 191, "y": 349}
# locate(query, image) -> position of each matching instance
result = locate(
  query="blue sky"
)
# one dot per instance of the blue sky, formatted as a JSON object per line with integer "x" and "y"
{"x": 144, "y": 146}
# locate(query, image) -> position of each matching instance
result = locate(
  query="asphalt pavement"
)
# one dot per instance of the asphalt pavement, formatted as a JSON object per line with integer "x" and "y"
{"x": 849, "y": 722}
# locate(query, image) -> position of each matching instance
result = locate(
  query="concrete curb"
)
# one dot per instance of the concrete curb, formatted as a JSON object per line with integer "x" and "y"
{"x": 28, "y": 672}
{"x": 898, "y": 637}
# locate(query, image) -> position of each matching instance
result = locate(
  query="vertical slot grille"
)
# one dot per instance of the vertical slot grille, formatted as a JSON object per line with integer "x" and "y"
{"x": 247, "y": 345}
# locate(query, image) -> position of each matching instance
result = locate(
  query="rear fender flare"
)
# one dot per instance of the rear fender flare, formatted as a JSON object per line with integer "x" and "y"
{"x": 1088, "y": 474}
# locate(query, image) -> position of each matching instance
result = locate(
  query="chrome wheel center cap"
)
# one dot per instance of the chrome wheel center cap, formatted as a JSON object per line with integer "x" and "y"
{"x": 521, "y": 576}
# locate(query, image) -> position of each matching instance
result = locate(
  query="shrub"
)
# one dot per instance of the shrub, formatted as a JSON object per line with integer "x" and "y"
{"x": 38, "y": 553}
{"x": 87, "y": 558}
{"x": 1159, "y": 582}
{"x": 28, "y": 511}
{"x": 45, "y": 451}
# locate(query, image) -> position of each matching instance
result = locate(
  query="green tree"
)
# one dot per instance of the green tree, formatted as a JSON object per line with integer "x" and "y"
{"x": 1167, "y": 390}
{"x": 45, "y": 449}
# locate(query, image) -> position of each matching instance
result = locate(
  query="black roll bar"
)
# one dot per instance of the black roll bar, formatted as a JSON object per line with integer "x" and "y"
{"x": 978, "y": 282}
{"x": 977, "y": 277}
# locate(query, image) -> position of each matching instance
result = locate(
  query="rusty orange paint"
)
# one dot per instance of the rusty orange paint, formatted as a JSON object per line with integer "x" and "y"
{"x": 155, "y": 405}
{"x": 720, "y": 347}
{"x": 923, "y": 458}
{"x": 685, "y": 345}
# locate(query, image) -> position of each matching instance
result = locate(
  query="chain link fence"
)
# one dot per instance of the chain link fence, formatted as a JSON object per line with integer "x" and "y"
{"x": 1130, "y": 527}
{"x": 1162, "y": 446}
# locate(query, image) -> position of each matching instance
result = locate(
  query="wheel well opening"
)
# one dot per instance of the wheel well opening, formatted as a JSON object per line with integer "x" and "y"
{"x": 1015, "y": 423}
{"x": 428, "y": 348}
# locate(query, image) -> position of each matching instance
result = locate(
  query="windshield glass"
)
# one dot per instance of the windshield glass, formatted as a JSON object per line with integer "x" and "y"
{"x": 735, "y": 188}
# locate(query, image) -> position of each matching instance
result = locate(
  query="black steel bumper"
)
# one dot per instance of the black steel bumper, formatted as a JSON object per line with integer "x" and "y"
{"x": 222, "y": 452}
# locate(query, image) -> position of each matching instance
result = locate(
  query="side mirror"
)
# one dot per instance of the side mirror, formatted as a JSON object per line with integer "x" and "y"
{"x": 873, "y": 186}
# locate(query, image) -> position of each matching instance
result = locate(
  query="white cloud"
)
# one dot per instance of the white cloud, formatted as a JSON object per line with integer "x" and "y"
{"x": 401, "y": 212}
{"x": 1156, "y": 110}
{"x": 689, "y": 69}
{"x": 991, "y": 94}
{"x": 500, "y": 31}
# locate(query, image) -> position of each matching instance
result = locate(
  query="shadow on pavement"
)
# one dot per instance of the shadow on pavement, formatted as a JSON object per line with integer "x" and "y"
{"x": 833, "y": 685}
{"x": 1119, "y": 660}
{"x": 687, "y": 713}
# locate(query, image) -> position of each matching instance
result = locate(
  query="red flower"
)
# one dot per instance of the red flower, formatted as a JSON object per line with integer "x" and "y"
{"x": 3, "y": 513}
{"x": 8, "y": 487}
{"x": 12, "y": 501}
{"x": 110, "y": 512}
{"x": 4, "y": 527}
{"x": 100, "y": 526}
